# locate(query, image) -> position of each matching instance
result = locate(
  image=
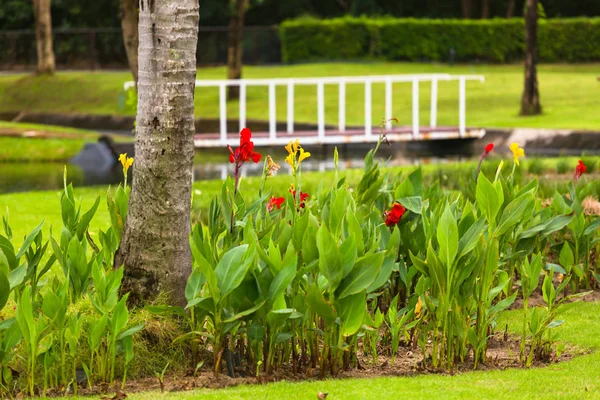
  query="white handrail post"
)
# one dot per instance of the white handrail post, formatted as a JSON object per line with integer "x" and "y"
{"x": 321, "y": 110}
{"x": 290, "y": 107}
{"x": 415, "y": 108}
{"x": 223, "y": 113}
{"x": 242, "y": 105}
{"x": 368, "y": 123}
{"x": 462, "y": 106}
{"x": 272, "y": 112}
{"x": 388, "y": 102}
{"x": 434, "y": 100}
{"x": 342, "y": 106}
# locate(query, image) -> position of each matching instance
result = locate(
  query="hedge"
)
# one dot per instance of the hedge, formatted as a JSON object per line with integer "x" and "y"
{"x": 493, "y": 40}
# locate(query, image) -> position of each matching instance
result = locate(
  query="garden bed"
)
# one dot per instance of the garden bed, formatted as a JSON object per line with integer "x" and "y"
{"x": 502, "y": 354}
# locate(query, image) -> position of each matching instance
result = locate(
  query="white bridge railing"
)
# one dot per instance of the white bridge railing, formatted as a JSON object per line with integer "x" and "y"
{"x": 333, "y": 136}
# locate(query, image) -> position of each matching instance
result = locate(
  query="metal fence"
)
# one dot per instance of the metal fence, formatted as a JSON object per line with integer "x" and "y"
{"x": 102, "y": 48}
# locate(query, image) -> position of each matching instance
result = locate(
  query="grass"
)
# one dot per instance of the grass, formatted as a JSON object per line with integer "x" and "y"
{"x": 570, "y": 94}
{"x": 574, "y": 379}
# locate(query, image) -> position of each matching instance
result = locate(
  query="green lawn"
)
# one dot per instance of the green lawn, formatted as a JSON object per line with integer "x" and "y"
{"x": 570, "y": 94}
{"x": 575, "y": 379}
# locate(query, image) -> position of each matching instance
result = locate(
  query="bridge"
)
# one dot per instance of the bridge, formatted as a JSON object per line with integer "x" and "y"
{"x": 341, "y": 133}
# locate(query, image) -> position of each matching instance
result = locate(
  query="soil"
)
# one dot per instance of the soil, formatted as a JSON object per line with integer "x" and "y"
{"x": 503, "y": 353}
{"x": 536, "y": 299}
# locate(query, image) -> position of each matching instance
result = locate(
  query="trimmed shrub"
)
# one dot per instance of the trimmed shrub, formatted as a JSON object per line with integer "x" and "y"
{"x": 494, "y": 40}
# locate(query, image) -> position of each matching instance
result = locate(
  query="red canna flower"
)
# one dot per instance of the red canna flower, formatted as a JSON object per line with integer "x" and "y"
{"x": 487, "y": 150}
{"x": 393, "y": 216}
{"x": 275, "y": 202}
{"x": 579, "y": 170}
{"x": 246, "y": 150}
{"x": 303, "y": 197}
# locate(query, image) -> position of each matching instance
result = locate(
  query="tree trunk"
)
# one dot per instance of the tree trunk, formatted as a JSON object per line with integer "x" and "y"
{"x": 530, "y": 102}
{"x": 43, "y": 36}
{"x": 466, "y": 6}
{"x": 485, "y": 9}
{"x": 155, "y": 245}
{"x": 234, "y": 47}
{"x": 129, "y": 27}
{"x": 510, "y": 11}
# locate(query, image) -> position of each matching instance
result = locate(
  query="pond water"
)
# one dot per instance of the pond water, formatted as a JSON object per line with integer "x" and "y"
{"x": 22, "y": 177}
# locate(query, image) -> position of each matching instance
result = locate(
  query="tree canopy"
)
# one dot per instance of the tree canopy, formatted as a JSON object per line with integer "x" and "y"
{"x": 18, "y": 14}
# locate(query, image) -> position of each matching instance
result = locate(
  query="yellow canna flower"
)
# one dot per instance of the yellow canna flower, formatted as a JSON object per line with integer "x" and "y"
{"x": 126, "y": 162}
{"x": 418, "y": 308}
{"x": 303, "y": 155}
{"x": 292, "y": 146}
{"x": 517, "y": 152}
{"x": 290, "y": 160}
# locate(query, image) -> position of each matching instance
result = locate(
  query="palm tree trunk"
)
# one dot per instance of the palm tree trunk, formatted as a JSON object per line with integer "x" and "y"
{"x": 129, "y": 27}
{"x": 154, "y": 248}
{"x": 235, "y": 49}
{"x": 43, "y": 36}
{"x": 530, "y": 102}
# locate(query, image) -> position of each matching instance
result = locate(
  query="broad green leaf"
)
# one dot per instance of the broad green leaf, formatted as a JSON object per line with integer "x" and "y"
{"x": 361, "y": 276}
{"x": 98, "y": 329}
{"x": 566, "y": 258}
{"x": 283, "y": 279}
{"x": 85, "y": 219}
{"x": 232, "y": 269}
{"x": 319, "y": 305}
{"x": 330, "y": 259}
{"x": 4, "y": 289}
{"x": 489, "y": 200}
{"x": 352, "y": 311}
{"x": 29, "y": 240}
{"x": 471, "y": 237}
{"x": 244, "y": 313}
{"x": 131, "y": 331}
{"x": 412, "y": 203}
{"x": 515, "y": 212}
{"x": 447, "y": 236}
{"x": 194, "y": 284}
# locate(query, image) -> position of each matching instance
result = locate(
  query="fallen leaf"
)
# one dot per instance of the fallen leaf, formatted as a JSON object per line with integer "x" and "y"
{"x": 322, "y": 395}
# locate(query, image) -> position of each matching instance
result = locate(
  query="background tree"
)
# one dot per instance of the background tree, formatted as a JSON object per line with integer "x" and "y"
{"x": 129, "y": 27}
{"x": 510, "y": 9}
{"x": 235, "y": 48}
{"x": 154, "y": 247}
{"x": 485, "y": 8}
{"x": 43, "y": 36}
{"x": 466, "y": 7}
{"x": 530, "y": 102}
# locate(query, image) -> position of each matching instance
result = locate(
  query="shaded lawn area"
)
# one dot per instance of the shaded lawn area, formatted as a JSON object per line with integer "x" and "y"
{"x": 570, "y": 94}
{"x": 575, "y": 379}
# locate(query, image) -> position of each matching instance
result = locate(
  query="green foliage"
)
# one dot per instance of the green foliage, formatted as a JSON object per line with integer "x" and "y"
{"x": 495, "y": 40}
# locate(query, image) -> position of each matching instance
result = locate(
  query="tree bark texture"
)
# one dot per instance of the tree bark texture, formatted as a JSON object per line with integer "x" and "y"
{"x": 155, "y": 245}
{"x": 466, "y": 6}
{"x": 510, "y": 10}
{"x": 43, "y": 35}
{"x": 485, "y": 9}
{"x": 530, "y": 102}
{"x": 234, "y": 46}
{"x": 129, "y": 27}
